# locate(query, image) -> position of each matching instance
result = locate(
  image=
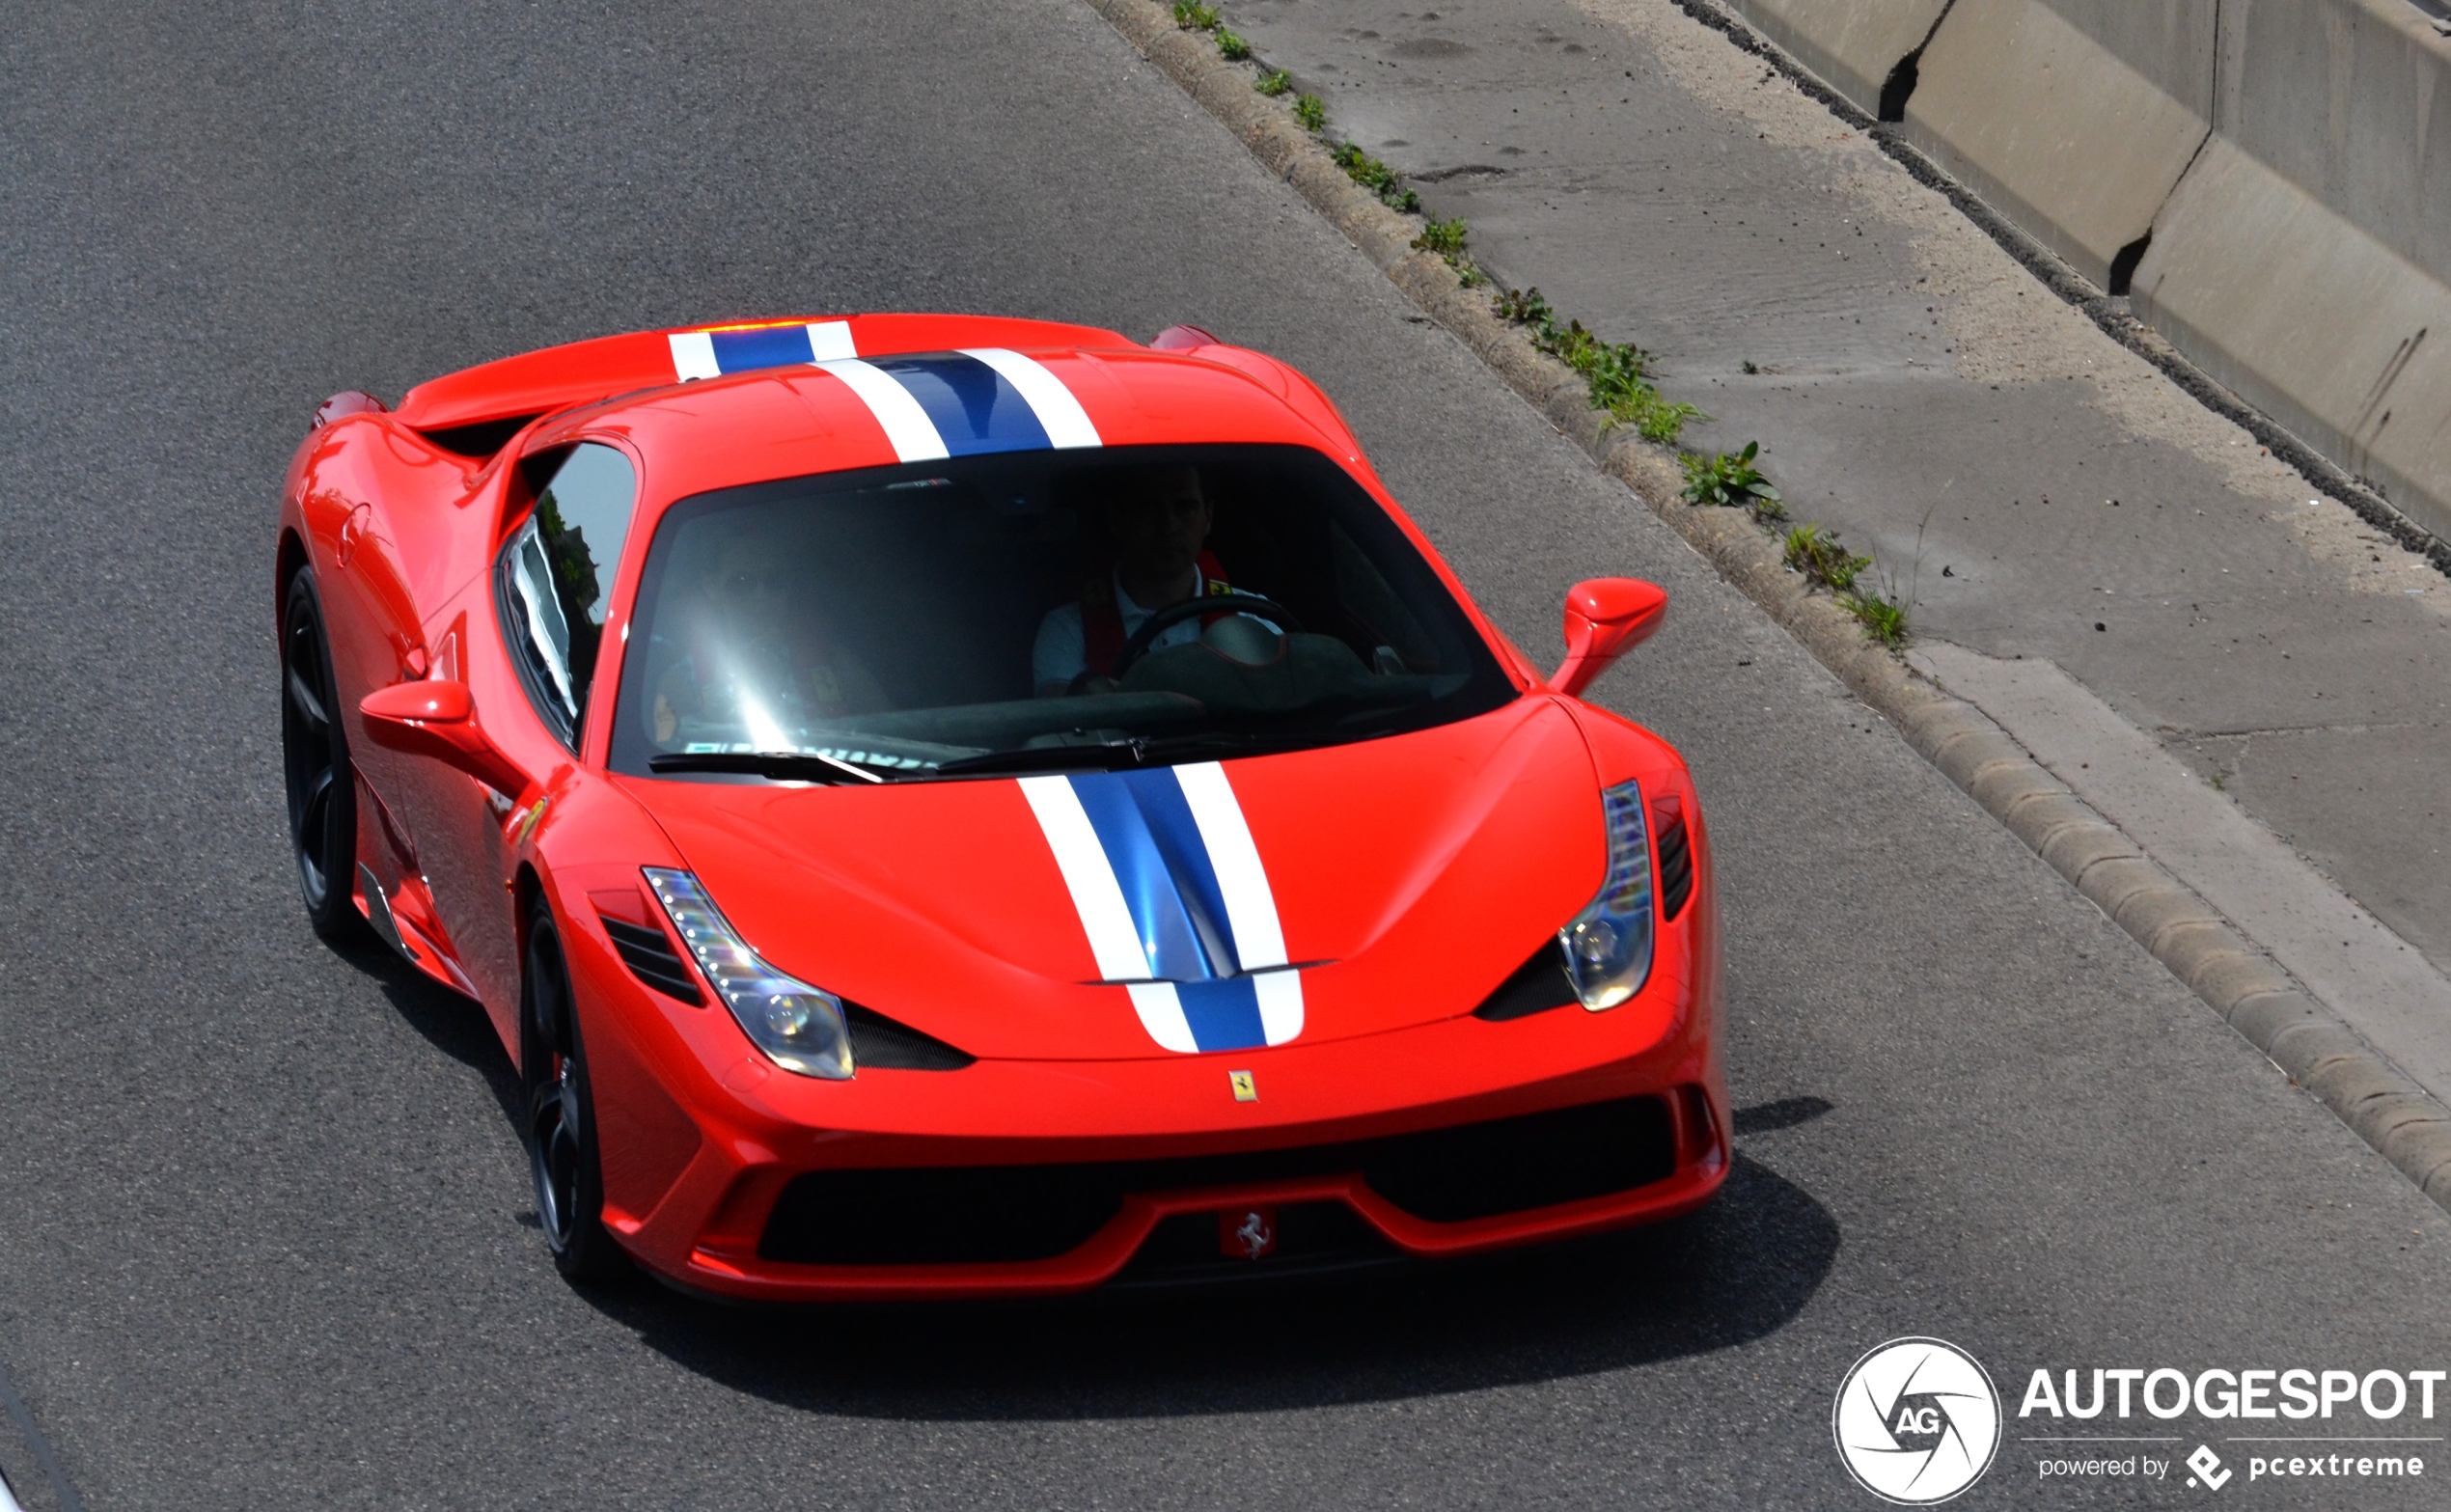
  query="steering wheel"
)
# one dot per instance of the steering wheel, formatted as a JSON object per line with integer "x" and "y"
{"x": 1172, "y": 615}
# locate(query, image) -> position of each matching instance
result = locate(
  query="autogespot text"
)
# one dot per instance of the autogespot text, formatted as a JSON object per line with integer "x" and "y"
{"x": 2324, "y": 1426}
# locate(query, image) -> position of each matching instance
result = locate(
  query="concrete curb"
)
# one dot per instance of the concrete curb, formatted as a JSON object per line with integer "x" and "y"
{"x": 2308, "y": 1041}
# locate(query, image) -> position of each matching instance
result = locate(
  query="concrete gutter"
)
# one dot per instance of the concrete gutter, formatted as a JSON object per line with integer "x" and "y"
{"x": 2306, "y": 1039}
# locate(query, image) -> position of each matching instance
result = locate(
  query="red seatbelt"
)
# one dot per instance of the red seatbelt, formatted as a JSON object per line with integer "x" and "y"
{"x": 1102, "y": 634}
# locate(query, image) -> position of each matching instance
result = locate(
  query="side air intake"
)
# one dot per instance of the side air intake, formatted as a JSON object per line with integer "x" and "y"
{"x": 1676, "y": 868}
{"x": 650, "y": 955}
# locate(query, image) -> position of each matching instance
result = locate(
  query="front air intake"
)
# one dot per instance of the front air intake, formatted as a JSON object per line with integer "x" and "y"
{"x": 1010, "y": 1214}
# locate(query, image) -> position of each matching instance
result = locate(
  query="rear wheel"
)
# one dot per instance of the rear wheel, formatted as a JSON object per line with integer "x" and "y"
{"x": 315, "y": 765}
{"x": 562, "y": 1148}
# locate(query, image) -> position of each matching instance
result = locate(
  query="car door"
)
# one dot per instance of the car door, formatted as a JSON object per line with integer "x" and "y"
{"x": 545, "y": 601}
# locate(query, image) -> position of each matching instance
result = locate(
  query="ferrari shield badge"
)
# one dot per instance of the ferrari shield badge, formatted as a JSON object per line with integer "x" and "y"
{"x": 1246, "y": 1090}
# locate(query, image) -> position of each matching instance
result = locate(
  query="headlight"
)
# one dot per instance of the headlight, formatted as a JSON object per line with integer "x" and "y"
{"x": 799, "y": 1027}
{"x": 1608, "y": 945}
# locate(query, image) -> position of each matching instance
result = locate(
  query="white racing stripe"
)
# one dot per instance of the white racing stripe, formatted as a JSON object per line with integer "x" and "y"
{"x": 1280, "y": 1004}
{"x": 1059, "y": 414}
{"x": 694, "y": 355}
{"x": 1161, "y": 1013}
{"x": 1114, "y": 942}
{"x": 831, "y": 342}
{"x": 1250, "y": 909}
{"x": 906, "y": 426}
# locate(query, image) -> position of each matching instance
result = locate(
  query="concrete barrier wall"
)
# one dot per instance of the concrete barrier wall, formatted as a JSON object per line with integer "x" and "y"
{"x": 2352, "y": 102}
{"x": 2074, "y": 117}
{"x": 2303, "y": 314}
{"x": 2289, "y": 159}
{"x": 1853, "y": 45}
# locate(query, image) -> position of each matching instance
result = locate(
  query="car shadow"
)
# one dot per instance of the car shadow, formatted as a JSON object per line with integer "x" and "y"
{"x": 451, "y": 1024}
{"x": 1734, "y": 1272}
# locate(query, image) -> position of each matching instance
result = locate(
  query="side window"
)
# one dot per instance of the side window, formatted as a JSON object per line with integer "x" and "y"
{"x": 557, "y": 576}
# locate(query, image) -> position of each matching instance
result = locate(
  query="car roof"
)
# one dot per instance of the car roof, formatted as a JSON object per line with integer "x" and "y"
{"x": 713, "y": 406}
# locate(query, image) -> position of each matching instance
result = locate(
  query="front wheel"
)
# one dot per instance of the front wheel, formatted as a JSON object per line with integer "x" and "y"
{"x": 315, "y": 767}
{"x": 562, "y": 1148}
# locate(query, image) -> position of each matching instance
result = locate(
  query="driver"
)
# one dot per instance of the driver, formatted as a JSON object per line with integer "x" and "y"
{"x": 1159, "y": 520}
{"x": 756, "y": 661}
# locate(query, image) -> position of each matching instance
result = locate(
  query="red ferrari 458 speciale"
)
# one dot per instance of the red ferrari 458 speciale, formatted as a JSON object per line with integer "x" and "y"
{"x": 943, "y": 807}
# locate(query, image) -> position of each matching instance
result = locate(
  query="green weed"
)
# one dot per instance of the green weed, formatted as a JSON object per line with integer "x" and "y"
{"x": 1615, "y": 371}
{"x": 1311, "y": 111}
{"x": 1376, "y": 176}
{"x": 1274, "y": 82}
{"x": 1731, "y": 479}
{"x": 1193, "y": 17}
{"x": 1884, "y": 619}
{"x": 1232, "y": 49}
{"x": 1816, "y": 554}
{"x": 1443, "y": 238}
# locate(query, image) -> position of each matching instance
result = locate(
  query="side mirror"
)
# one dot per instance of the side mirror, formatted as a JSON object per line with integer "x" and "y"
{"x": 1606, "y": 618}
{"x": 437, "y": 720}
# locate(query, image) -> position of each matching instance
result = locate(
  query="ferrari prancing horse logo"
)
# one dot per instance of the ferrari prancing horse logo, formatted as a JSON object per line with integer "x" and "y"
{"x": 1247, "y": 1233}
{"x": 1246, "y": 1090}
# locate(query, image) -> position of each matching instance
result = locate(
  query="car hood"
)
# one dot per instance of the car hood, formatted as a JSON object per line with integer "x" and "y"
{"x": 1309, "y": 895}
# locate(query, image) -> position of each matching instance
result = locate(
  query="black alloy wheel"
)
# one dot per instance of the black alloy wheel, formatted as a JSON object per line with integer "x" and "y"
{"x": 561, "y": 1106}
{"x": 315, "y": 767}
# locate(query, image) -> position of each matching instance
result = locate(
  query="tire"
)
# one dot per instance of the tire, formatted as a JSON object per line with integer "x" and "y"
{"x": 560, "y": 1108}
{"x": 316, "y": 778}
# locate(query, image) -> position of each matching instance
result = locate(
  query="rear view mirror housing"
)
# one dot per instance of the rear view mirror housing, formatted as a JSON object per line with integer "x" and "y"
{"x": 1606, "y": 618}
{"x": 437, "y": 720}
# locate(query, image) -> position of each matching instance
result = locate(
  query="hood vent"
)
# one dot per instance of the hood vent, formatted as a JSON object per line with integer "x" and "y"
{"x": 879, "y": 1043}
{"x": 1538, "y": 985}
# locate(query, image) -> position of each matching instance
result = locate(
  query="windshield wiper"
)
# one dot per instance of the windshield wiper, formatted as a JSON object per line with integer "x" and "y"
{"x": 1139, "y": 751}
{"x": 799, "y": 766}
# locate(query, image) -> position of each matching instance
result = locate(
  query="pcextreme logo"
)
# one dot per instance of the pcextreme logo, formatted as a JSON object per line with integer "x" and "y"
{"x": 1916, "y": 1421}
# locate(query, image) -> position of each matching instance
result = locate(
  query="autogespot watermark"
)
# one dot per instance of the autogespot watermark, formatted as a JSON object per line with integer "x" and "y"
{"x": 1917, "y": 1422}
{"x": 2361, "y": 1427}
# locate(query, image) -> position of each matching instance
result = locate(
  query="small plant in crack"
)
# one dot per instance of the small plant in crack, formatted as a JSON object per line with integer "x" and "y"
{"x": 1377, "y": 177}
{"x": 1613, "y": 371}
{"x": 1443, "y": 238}
{"x": 1816, "y": 554}
{"x": 1193, "y": 17}
{"x": 1273, "y": 82}
{"x": 1882, "y": 616}
{"x": 1232, "y": 48}
{"x": 1731, "y": 479}
{"x": 1311, "y": 111}
{"x": 1446, "y": 240}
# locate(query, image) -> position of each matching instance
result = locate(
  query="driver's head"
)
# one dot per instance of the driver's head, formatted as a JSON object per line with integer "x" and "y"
{"x": 747, "y": 583}
{"x": 1159, "y": 519}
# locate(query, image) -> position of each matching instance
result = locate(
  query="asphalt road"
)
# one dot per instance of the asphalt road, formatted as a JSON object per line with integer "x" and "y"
{"x": 266, "y": 1235}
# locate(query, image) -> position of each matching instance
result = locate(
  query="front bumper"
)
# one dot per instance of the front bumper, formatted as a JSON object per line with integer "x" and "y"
{"x": 1139, "y": 1154}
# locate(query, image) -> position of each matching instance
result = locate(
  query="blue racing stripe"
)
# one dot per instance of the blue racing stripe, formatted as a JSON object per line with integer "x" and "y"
{"x": 770, "y": 346}
{"x": 1159, "y": 796}
{"x": 971, "y": 406}
{"x": 1223, "y": 1015}
{"x": 1181, "y": 929}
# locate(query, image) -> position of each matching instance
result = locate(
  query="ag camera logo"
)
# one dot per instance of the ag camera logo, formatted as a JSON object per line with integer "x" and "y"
{"x": 1917, "y": 1420}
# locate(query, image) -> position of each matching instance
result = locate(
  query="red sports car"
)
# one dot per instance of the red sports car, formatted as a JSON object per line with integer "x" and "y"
{"x": 942, "y": 806}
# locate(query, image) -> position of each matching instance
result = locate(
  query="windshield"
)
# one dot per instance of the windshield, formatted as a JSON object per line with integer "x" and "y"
{"x": 1029, "y": 611}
